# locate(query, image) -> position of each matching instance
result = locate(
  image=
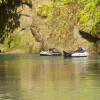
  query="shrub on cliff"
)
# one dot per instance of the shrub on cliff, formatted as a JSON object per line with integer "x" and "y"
{"x": 0, "y": 2}
{"x": 43, "y": 11}
{"x": 89, "y": 18}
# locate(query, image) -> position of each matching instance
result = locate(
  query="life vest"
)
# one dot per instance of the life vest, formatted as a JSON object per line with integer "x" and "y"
{"x": 51, "y": 51}
{"x": 83, "y": 50}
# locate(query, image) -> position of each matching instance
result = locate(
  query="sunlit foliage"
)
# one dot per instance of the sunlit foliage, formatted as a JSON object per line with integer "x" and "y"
{"x": 89, "y": 17}
{"x": 86, "y": 12}
{"x": 43, "y": 11}
{"x": 0, "y": 2}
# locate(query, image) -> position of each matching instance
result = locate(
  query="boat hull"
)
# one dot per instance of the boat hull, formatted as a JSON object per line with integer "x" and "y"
{"x": 76, "y": 54}
{"x": 46, "y": 53}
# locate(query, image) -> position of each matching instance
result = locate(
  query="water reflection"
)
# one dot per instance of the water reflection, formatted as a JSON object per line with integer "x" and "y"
{"x": 28, "y": 77}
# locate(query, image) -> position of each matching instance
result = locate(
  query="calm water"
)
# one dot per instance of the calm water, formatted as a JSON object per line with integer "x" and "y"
{"x": 31, "y": 77}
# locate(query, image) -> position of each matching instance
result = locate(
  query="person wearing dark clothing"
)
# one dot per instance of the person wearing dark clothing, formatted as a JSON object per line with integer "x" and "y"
{"x": 80, "y": 49}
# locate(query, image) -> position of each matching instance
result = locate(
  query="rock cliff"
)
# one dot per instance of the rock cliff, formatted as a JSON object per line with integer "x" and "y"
{"x": 48, "y": 23}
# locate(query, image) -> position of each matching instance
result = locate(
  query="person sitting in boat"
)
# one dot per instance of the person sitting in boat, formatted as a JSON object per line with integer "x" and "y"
{"x": 51, "y": 50}
{"x": 80, "y": 49}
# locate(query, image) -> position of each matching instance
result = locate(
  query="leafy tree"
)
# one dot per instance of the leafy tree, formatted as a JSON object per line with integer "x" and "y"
{"x": 43, "y": 11}
{"x": 89, "y": 17}
{"x": 9, "y": 18}
{"x": 0, "y": 2}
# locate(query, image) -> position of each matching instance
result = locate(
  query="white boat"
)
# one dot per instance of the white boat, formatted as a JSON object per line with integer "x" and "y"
{"x": 76, "y": 54}
{"x": 80, "y": 54}
{"x": 55, "y": 52}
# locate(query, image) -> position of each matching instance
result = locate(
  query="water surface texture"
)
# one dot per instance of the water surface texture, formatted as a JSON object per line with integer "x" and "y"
{"x": 31, "y": 77}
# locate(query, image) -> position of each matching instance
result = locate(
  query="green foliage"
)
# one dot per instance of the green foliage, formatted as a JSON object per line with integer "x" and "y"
{"x": 48, "y": 10}
{"x": 88, "y": 14}
{"x": 0, "y": 2}
{"x": 98, "y": 41}
{"x": 9, "y": 18}
{"x": 13, "y": 42}
{"x": 97, "y": 2}
{"x": 43, "y": 11}
{"x": 89, "y": 17}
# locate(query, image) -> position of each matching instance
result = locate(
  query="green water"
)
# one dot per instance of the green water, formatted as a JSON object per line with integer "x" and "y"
{"x": 31, "y": 77}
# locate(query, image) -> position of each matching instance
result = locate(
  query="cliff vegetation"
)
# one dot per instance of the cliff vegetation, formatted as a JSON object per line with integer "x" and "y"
{"x": 31, "y": 25}
{"x": 72, "y": 23}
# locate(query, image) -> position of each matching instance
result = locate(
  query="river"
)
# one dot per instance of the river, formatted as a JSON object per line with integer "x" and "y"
{"x": 31, "y": 77}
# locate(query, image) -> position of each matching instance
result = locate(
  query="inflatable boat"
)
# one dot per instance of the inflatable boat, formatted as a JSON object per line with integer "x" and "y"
{"x": 51, "y": 52}
{"x": 75, "y": 54}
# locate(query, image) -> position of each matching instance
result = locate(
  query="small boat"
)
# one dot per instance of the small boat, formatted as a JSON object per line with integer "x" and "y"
{"x": 75, "y": 54}
{"x": 51, "y": 52}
